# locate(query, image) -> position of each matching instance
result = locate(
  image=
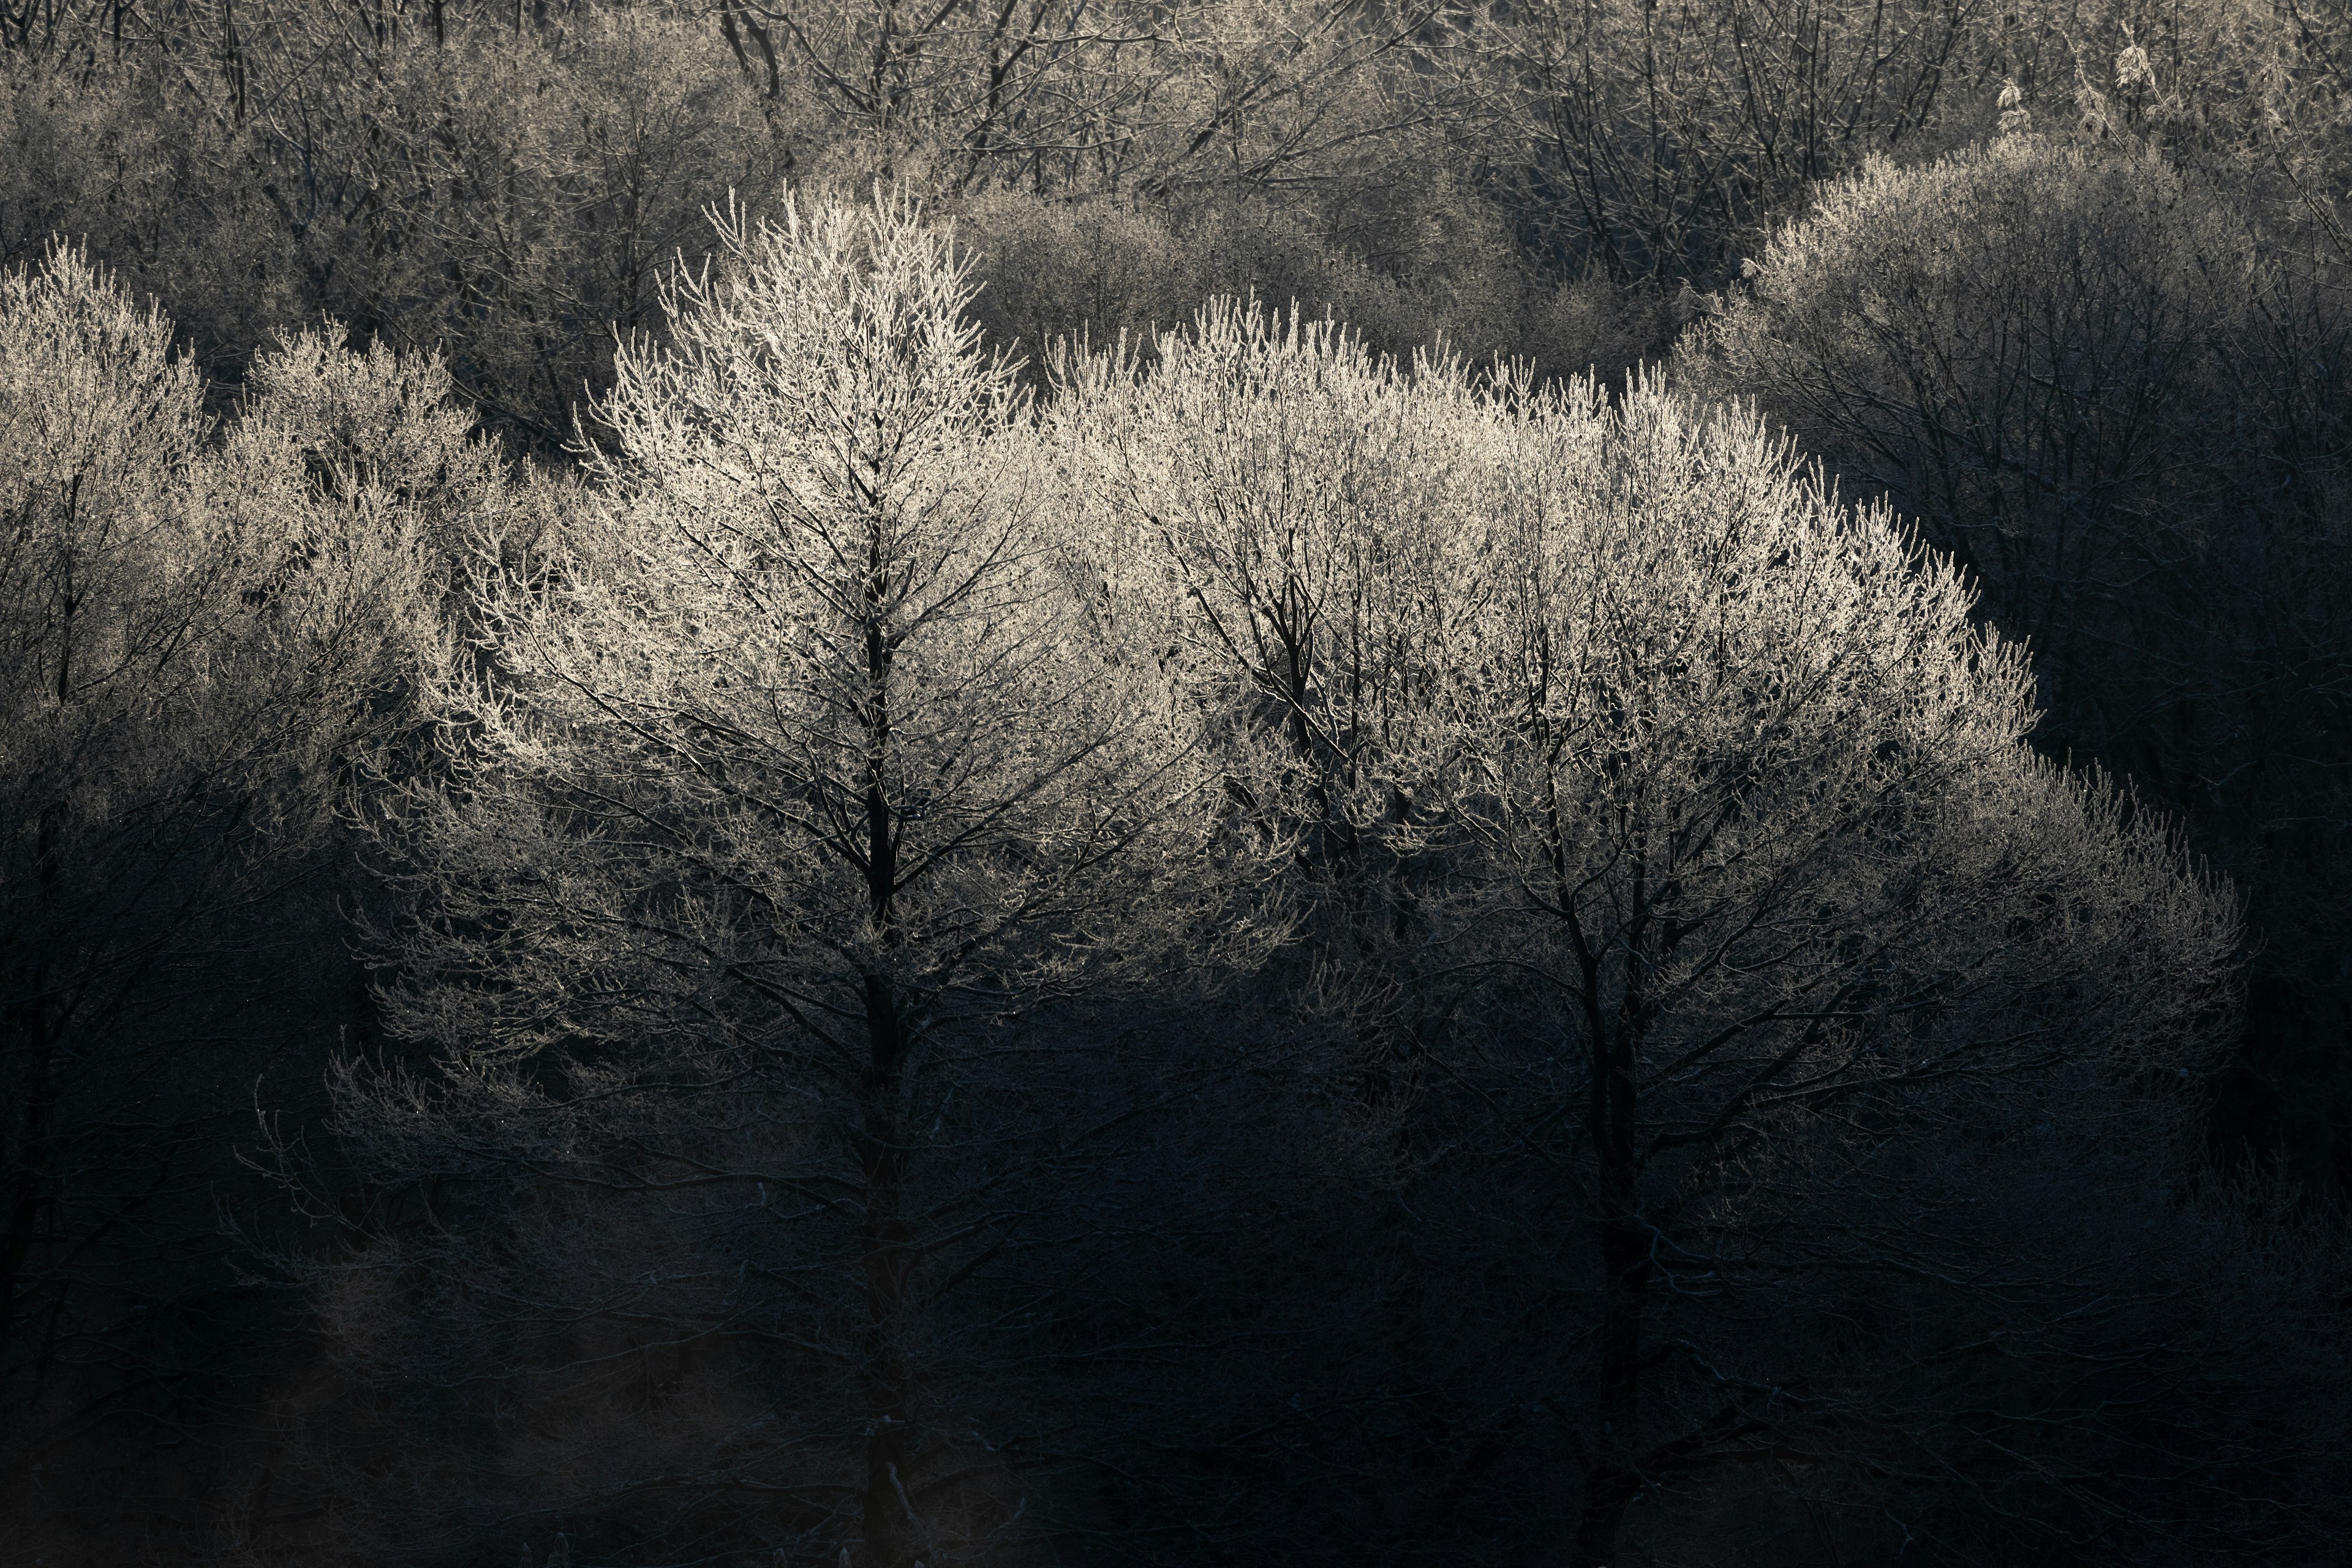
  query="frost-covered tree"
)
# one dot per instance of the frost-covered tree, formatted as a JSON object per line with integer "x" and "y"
{"x": 188, "y": 644}
{"x": 801, "y": 819}
{"x": 1730, "y": 903}
{"x": 1285, "y": 507}
{"x": 1768, "y": 885}
{"x": 2121, "y": 403}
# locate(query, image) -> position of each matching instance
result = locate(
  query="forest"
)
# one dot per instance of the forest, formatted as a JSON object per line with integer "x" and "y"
{"x": 1490, "y": 783}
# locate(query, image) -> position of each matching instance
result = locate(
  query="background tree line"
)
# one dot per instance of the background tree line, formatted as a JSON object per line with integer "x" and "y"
{"x": 698, "y": 875}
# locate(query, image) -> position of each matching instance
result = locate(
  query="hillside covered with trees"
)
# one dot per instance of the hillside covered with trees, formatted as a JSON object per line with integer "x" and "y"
{"x": 1168, "y": 782}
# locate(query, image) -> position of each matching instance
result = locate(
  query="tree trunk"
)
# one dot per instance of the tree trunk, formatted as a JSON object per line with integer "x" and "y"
{"x": 1613, "y": 1475}
{"x": 891, "y": 1530}
{"x": 33, "y": 1025}
{"x": 1612, "y": 1470}
{"x": 890, "y": 1527}
{"x": 32, "y": 1161}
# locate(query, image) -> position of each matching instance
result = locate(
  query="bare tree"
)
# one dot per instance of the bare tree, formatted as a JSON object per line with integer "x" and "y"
{"x": 1774, "y": 877}
{"x": 1655, "y": 141}
{"x": 191, "y": 645}
{"x": 1702, "y": 819}
{"x": 1047, "y": 94}
{"x": 1283, "y": 504}
{"x": 803, "y": 818}
{"x": 2121, "y": 403}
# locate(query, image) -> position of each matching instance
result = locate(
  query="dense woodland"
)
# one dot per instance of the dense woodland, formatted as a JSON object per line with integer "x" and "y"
{"x": 1175, "y": 781}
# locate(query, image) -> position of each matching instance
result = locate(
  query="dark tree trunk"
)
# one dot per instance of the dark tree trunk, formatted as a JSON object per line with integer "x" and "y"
{"x": 890, "y": 1527}
{"x": 892, "y": 1532}
{"x": 1612, "y": 1474}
